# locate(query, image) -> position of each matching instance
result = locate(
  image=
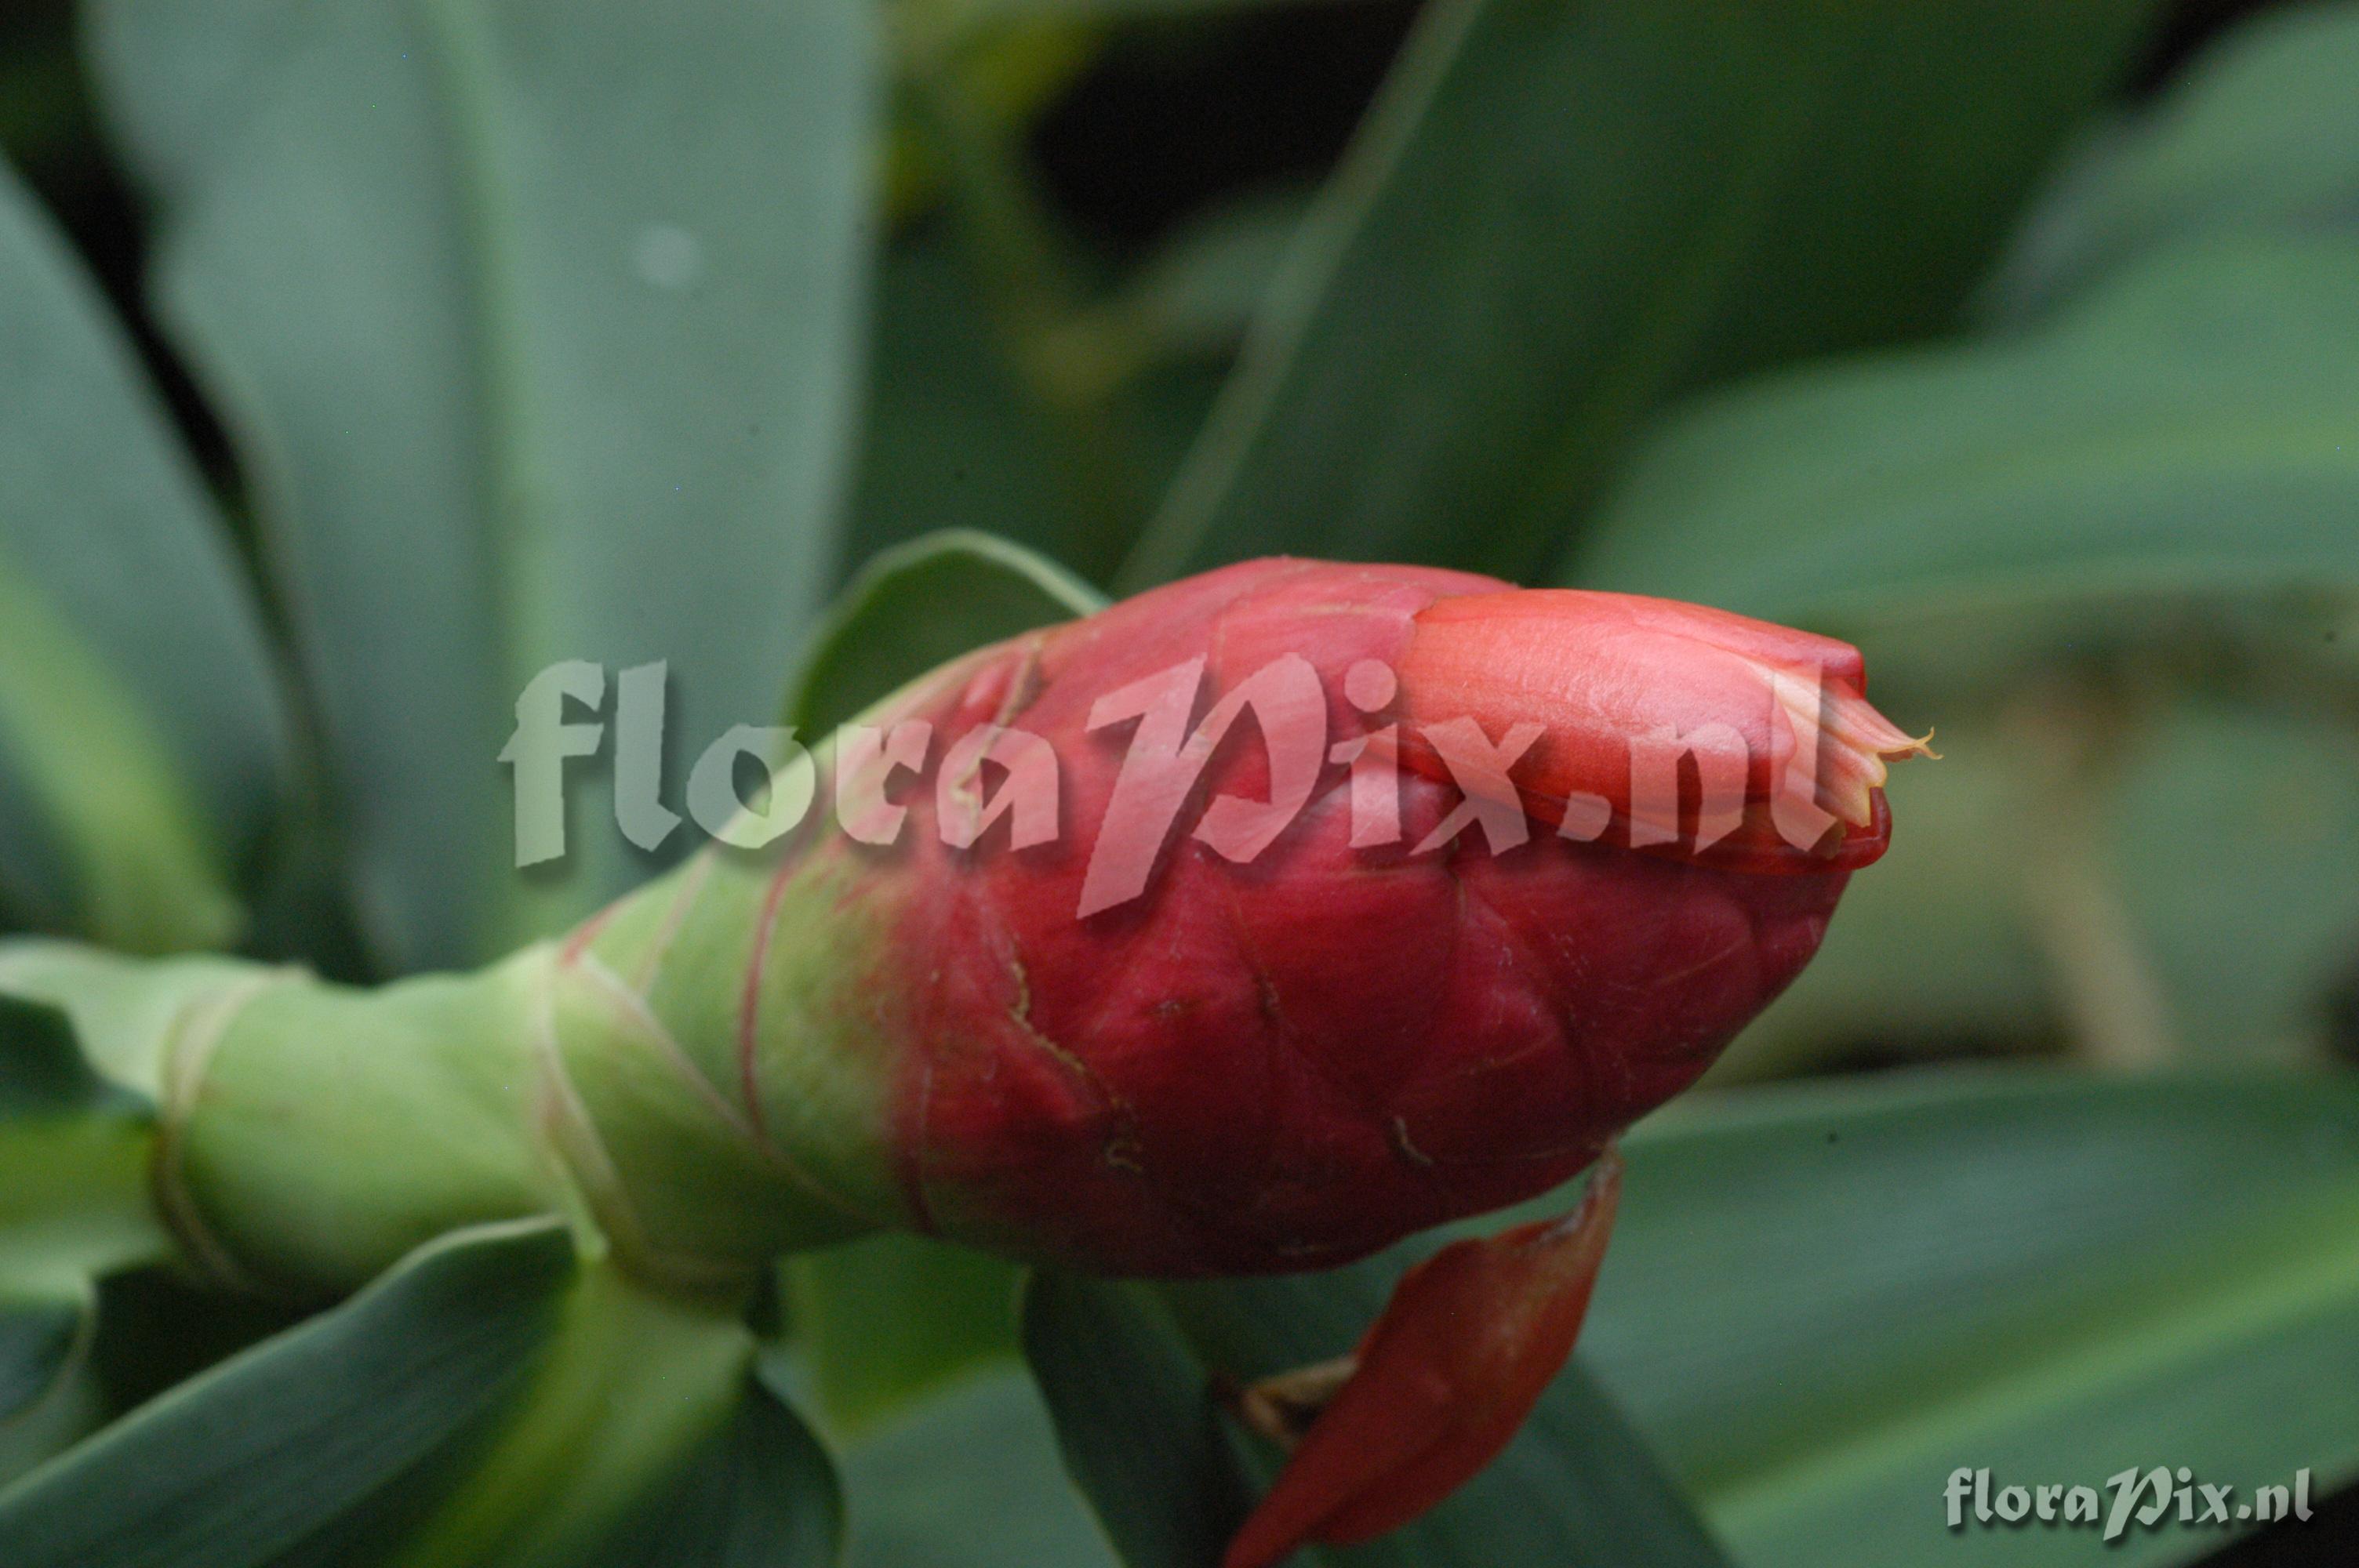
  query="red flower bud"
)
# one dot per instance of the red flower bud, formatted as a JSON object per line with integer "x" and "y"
{"x": 1289, "y": 1049}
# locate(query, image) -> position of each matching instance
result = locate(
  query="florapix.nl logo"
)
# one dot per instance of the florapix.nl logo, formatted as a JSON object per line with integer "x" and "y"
{"x": 1693, "y": 787}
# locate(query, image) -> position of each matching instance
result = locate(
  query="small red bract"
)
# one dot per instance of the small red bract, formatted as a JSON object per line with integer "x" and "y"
{"x": 1463, "y": 1351}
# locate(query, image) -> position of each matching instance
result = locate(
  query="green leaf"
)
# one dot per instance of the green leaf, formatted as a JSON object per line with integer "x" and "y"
{"x": 763, "y": 1495}
{"x": 75, "y": 1199}
{"x": 61, "y": 1417}
{"x": 489, "y": 1401}
{"x": 968, "y": 1479}
{"x": 525, "y": 367}
{"x": 919, "y": 604}
{"x": 884, "y": 1321}
{"x": 1577, "y": 1486}
{"x": 2260, "y": 134}
{"x": 74, "y": 1163}
{"x": 1558, "y": 214}
{"x": 630, "y": 1386}
{"x": 1821, "y": 1299}
{"x": 1135, "y": 1420}
{"x": 2275, "y": 799}
{"x": 40, "y": 1342}
{"x": 141, "y": 747}
{"x": 43, "y": 1073}
{"x": 2175, "y": 446}
{"x": 244, "y": 1462}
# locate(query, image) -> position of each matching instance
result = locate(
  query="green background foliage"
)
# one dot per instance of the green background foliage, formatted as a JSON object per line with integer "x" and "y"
{"x": 360, "y": 358}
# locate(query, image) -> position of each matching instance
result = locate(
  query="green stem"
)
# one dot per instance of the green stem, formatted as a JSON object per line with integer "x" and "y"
{"x": 664, "y": 1076}
{"x": 2113, "y": 998}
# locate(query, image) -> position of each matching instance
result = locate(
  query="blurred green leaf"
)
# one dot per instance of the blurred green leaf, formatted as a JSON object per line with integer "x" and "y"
{"x": 537, "y": 330}
{"x": 489, "y": 1400}
{"x": 43, "y": 1073}
{"x": 1822, "y": 1298}
{"x": 954, "y": 437}
{"x": 74, "y": 1163}
{"x": 2249, "y": 933}
{"x": 978, "y": 423}
{"x": 1933, "y": 951}
{"x": 141, "y": 748}
{"x": 241, "y": 1465}
{"x": 2261, "y": 134}
{"x": 1558, "y": 214}
{"x": 764, "y": 1496}
{"x": 41, "y": 1340}
{"x": 919, "y": 604}
{"x": 74, "y": 1199}
{"x": 970, "y": 12}
{"x": 968, "y": 1479}
{"x": 884, "y": 1321}
{"x": 629, "y": 1387}
{"x": 2227, "y": 835}
{"x": 191, "y": 74}
{"x": 61, "y": 1417}
{"x": 1135, "y": 1421}
{"x": 2181, "y": 440}
{"x": 1198, "y": 293}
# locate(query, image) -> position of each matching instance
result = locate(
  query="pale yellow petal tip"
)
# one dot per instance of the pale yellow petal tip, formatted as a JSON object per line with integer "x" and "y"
{"x": 1865, "y": 742}
{"x": 1857, "y": 722}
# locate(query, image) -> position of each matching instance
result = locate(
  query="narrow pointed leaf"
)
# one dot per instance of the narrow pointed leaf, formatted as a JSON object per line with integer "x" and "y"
{"x": 524, "y": 368}
{"x": 244, "y": 1463}
{"x": 141, "y": 747}
{"x": 1560, "y": 215}
{"x": 1136, "y": 1419}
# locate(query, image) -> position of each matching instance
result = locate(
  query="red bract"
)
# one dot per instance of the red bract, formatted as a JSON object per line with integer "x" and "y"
{"x": 1289, "y": 1062}
{"x": 1466, "y": 1346}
